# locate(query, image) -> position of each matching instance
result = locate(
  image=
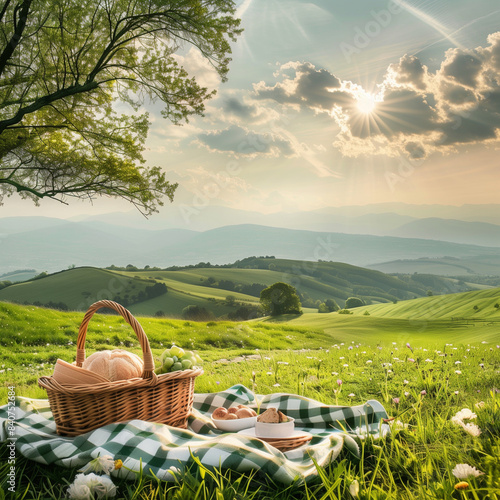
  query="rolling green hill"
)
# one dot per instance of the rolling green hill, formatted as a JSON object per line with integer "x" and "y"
{"x": 208, "y": 286}
{"x": 337, "y": 280}
{"x": 444, "y": 266}
{"x": 474, "y": 306}
{"x": 76, "y": 289}
{"x": 20, "y": 275}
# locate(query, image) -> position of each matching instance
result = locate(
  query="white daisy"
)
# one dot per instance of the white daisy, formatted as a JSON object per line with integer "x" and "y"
{"x": 89, "y": 486}
{"x": 463, "y": 471}
{"x": 104, "y": 463}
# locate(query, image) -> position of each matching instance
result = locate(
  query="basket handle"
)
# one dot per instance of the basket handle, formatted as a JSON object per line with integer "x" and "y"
{"x": 129, "y": 318}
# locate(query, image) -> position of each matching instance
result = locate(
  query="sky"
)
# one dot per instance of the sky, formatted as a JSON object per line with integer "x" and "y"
{"x": 333, "y": 103}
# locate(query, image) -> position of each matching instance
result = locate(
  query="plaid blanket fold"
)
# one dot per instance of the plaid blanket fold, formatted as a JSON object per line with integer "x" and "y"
{"x": 159, "y": 447}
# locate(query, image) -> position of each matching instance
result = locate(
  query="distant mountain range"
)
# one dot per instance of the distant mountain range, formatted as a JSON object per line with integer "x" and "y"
{"x": 378, "y": 219}
{"x": 457, "y": 231}
{"x": 53, "y": 244}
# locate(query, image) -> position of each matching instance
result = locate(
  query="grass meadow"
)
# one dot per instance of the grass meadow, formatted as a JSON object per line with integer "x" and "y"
{"x": 422, "y": 386}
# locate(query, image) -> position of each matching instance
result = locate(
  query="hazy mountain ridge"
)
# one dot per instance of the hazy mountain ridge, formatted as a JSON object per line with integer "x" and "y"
{"x": 457, "y": 231}
{"x": 101, "y": 244}
{"x": 361, "y": 219}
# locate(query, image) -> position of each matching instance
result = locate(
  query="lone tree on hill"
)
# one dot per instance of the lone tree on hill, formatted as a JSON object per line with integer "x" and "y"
{"x": 63, "y": 67}
{"x": 280, "y": 298}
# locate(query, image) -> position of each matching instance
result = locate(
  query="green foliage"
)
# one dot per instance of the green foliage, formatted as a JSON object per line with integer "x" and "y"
{"x": 352, "y": 302}
{"x": 328, "y": 306}
{"x": 156, "y": 290}
{"x": 322, "y": 308}
{"x": 280, "y": 298}
{"x": 5, "y": 284}
{"x": 230, "y": 300}
{"x": 331, "y": 305}
{"x": 197, "y": 313}
{"x": 344, "y": 311}
{"x": 63, "y": 67}
{"x": 245, "y": 313}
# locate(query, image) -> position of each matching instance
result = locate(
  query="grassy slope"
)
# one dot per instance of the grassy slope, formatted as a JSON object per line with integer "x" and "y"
{"x": 77, "y": 288}
{"x": 189, "y": 284}
{"x": 460, "y": 305}
{"x": 484, "y": 264}
{"x": 423, "y": 320}
{"x": 193, "y": 277}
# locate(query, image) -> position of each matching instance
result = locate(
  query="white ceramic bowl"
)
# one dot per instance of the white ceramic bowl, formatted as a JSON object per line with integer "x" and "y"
{"x": 235, "y": 425}
{"x": 283, "y": 430}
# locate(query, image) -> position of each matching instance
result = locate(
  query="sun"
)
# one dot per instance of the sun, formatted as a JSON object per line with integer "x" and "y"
{"x": 366, "y": 103}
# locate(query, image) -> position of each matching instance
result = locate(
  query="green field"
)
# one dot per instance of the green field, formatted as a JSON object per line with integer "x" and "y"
{"x": 434, "y": 320}
{"x": 473, "y": 306}
{"x": 457, "y": 369}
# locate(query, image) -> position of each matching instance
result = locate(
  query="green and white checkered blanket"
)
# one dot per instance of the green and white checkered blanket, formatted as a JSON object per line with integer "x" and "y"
{"x": 159, "y": 447}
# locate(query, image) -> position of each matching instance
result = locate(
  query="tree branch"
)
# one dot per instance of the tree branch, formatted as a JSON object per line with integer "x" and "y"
{"x": 46, "y": 100}
{"x": 18, "y": 31}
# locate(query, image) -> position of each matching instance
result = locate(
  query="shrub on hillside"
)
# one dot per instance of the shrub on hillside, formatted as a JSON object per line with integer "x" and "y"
{"x": 332, "y": 305}
{"x": 197, "y": 313}
{"x": 244, "y": 313}
{"x": 344, "y": 311}
{"x": 323, "y": 309}
{"x": 352, "y": 302}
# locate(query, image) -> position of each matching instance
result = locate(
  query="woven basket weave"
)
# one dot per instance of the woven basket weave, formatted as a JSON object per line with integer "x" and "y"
{"x": 165, "y": 398}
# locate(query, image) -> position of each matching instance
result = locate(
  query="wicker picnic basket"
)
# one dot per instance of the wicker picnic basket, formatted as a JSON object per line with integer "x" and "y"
{"x": 165, "y": 398}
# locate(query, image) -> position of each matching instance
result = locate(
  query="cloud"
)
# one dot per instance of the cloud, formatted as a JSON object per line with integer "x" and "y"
{"x": 462, "y": 67}
{"x": 234, "y": 106}
{"x": 410, "y": 71}
{"x": 243, "y": 142}
{"x": 310, "y": 87}
{"x": 415, "y": 111}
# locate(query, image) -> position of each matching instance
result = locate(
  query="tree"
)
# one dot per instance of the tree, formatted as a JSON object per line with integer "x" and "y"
{"x": 197, "y": 313}
{"x": 332, "y": 305}
{"x": 63, "y": 67}
{"x": 280, "y": 298}
{"x": 230, "y": 300}
{"x": 156, "y": 290}
{"x": 322, "y": 308}
{"x": 353, "y": 302}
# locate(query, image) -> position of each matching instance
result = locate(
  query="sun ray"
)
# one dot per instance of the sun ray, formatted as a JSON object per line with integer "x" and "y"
{"x": 243, "y": 8}
{"x": 430, "y": 21}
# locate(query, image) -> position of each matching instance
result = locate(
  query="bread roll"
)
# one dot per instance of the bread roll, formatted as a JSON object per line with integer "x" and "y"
{"x": 117, "y": 364}
{"x": 219, "y": 413}
{"x": 244, "y": 413}
{"x": 270, "y": 416}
